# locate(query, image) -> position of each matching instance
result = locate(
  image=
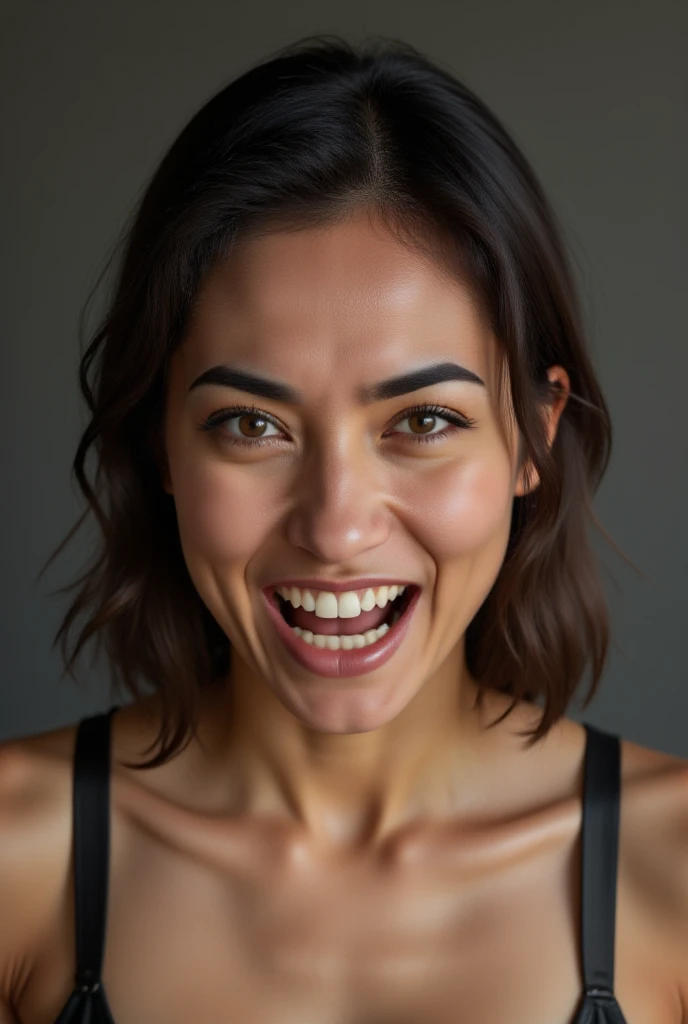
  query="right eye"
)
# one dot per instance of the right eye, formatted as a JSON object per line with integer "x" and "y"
{"x": 254, "y": 420}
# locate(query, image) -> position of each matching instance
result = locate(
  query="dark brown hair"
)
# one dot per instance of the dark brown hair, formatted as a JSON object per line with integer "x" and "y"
{"x": 305, "y": 138}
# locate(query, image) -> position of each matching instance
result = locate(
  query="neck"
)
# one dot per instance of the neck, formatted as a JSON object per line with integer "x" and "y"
{"x": 425, "y": 765}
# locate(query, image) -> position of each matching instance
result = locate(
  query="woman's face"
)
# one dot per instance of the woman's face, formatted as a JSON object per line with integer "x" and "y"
{"x": 327, "y": 483}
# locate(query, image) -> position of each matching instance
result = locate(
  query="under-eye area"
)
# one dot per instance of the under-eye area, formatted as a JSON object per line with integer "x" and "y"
{"x": 343, "y": 621}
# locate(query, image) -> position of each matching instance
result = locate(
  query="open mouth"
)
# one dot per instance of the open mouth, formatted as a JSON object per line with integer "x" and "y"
{"x": 347, "y": 633}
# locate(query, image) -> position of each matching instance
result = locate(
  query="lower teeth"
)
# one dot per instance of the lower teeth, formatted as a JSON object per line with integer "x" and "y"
{"x": 345, "y": 643}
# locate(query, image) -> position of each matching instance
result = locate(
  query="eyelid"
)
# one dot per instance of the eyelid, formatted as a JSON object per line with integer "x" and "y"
{"x": 221, "y": 416}
{"x": 456, "y": 420}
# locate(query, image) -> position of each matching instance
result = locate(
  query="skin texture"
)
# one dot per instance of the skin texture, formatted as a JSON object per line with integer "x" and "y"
{"x": 333, "y": 851}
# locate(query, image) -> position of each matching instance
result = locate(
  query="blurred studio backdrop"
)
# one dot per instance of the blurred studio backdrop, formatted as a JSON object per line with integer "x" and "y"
{"x": 594, "y": 92}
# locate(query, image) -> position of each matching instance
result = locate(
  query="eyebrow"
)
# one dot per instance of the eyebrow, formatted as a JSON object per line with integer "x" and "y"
{"x": 229, "y": 377}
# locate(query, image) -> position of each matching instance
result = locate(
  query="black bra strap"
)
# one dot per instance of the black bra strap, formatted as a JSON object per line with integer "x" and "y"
{"x": 600, "y": 847}
{"x": 91, "y": 825}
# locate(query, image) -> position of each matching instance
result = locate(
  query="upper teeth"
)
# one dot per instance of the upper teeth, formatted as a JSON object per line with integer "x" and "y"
{"x": 347, "y": 605}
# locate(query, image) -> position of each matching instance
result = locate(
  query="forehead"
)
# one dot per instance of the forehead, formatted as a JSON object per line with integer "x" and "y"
{"x": 341, "y": 303}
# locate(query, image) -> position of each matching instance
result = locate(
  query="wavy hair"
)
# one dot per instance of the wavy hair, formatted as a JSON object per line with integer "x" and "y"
{"x": 319, "y": 130}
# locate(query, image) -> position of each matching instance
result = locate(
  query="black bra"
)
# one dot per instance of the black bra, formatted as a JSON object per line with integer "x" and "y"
{"x": 88, "y": 1003}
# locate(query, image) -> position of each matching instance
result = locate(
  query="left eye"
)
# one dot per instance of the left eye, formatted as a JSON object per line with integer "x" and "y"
{"x": 424, "y": 414}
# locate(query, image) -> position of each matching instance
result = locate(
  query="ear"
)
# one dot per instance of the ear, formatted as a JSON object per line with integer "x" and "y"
{"x": 528, "y": 478}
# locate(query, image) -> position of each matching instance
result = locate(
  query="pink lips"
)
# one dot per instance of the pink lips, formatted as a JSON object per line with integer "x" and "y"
{"x": 338, "y": 664}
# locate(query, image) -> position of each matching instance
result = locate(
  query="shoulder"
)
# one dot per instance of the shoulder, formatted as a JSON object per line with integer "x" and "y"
{"x": 35, "y": 843}
{"x": 36, "y": 798}
{"x": 653, "y": 848}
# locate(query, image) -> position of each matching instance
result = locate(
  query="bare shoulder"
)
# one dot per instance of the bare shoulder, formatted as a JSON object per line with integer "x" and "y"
{"x": 36, "y": 788}
{"x": 35, "y": 833}
{"x": 653, "y": 849}
{"x": 654, "y": 807}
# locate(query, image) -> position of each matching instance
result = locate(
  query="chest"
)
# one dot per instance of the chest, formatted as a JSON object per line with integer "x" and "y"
{"x": 434, "y": 943}
{"x": 336, "y": 957}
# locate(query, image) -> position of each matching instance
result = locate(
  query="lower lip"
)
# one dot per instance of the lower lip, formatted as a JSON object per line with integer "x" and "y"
{"x": 337, "y": 664}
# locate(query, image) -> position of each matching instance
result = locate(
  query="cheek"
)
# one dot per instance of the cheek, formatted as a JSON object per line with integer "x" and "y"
{"x": 223, "y": 514}
{"x": 464, "y": 508}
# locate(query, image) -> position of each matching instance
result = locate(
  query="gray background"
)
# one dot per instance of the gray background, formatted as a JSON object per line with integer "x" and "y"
{"x": 594, "y": 92}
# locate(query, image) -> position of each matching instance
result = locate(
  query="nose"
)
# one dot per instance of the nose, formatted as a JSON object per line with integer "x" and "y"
{"x": 340, "y": 509}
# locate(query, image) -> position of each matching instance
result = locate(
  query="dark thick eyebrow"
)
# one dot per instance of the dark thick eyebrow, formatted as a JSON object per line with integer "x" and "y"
{"x": 229, "y": 377}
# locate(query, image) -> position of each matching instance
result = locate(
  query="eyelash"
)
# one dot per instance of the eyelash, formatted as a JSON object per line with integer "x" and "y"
{"x": 216, "y": 419}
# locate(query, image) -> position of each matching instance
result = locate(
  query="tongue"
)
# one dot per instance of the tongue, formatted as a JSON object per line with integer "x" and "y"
{"x": 345, "y": 627}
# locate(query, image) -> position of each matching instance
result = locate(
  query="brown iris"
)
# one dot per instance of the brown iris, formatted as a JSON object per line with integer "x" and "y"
{"x": 427, "y": 417}
{"x": 253, "y": 419}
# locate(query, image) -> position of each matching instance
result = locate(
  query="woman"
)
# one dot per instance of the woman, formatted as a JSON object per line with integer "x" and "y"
{"x": 347, "y": 434}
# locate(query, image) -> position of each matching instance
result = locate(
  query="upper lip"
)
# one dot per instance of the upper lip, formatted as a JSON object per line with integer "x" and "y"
{"x": 339, "y": 586}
